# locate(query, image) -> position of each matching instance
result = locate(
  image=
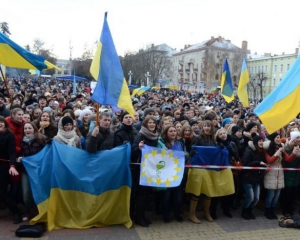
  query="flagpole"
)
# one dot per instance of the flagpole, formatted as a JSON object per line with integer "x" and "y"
{"x": 97, "y": 114}
{"x": 4, "y": 80}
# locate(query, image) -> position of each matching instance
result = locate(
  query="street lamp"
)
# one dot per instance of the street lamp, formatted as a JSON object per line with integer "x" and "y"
{"x": 129, "y": 80}
{"x": 147, "y": 75}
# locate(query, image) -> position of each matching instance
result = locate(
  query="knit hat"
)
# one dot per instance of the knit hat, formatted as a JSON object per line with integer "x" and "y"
{"x": 294, "y": 135}
{"x": 123, "y": 115}
{"x": 48, "y": 109}
{"x": 235, "y": 129}
{"x": 225, "y": 121}
{"x": 272, "y": 136}
{"x": 252, "y": 114}
{"x": 66, "y": 119}
{"x": 84, "y": 112}
{"x": 192, "y": 122}
{"x": 44, "y": 97}
{"x": 147, "y": 111}
{"x": 250, "y": 126}
{"x": 256, "y": 138}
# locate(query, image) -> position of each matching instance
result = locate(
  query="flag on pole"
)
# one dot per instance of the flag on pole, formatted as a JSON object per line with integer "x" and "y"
{"x": 161, "y": 167}
{"x": 226, "y": 84}
{"x": 74, "y": 83}
{"x": 242, "y": 88}
{"x": 34, "y": 71}
{"x": 111, "y": 88}
{"x": 280, "y": 106}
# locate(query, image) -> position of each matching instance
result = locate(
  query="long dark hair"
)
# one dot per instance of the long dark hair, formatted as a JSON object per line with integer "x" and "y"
{"x": 212, "y": 130}
{"x": 2, "y": 119}
{"x": 147, "y": 119}
{"x": 38, "y": 136}
{"x": 165, "y": 137}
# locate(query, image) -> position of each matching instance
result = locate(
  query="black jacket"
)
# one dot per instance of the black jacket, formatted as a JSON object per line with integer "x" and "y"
{"x": 4, "y": 112}
{"x": 104, "y": 141}
{"x": 125, "y": 134}
{"x": 252, "y": 159}
{"x": 135, "y": 151}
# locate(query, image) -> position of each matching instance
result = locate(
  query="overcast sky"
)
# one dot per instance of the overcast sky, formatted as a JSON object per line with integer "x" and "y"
{"x": 270, "y": 26}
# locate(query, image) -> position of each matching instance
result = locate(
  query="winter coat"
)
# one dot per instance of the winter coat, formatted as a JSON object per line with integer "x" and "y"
{"x": 31, "y": 148}
{"x": 252, "y": 159}
{"x": 135, "y": 151}
{"x": 4, "y": 112}
{"x": 274, "y": 179}
{"x": 104, "y": 140}
{"x": 17, "y": 130}
{"x": 50, "y": 131}
{"x": 125, "y": 134}
{"x": 7, "y": 148}
{"x": 291, "y": 178}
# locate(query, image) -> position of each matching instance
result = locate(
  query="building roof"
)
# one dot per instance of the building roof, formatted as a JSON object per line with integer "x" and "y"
{"x": 218, "y": 43}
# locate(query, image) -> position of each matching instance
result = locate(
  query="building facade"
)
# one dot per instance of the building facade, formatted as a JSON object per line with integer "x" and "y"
{"x": 198, "y": 67}
{"x": 265, "y": 72}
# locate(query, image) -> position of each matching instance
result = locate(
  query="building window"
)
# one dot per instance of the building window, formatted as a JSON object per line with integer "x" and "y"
{"x": 281, "y": 67}
{"x": 287, "y": 67}
{"x": 274, "y": 81}
{"x": 258, "y": 68}
{"x": 275, "y": 68}
{"x": 254, "y": 69}
{"x": 266, "y": 68}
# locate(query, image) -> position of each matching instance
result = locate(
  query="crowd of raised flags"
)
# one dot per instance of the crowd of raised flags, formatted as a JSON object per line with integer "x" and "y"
{"x": 94, "y": 189}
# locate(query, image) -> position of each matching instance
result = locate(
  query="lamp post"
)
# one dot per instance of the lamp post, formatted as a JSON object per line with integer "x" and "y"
{"x": 129, "y": 80}
{"x": 147, "y": 75}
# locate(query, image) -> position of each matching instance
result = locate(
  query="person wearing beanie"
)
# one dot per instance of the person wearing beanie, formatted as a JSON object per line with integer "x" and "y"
{"x": 274, "y": 179}
{"x": 42, "y": 101}
{"x": 254, "y": 156}
{"x": 126, "y": 132}
{"x": 66, "y": 133}
{"x": 195, "y": 126}
{"x": 4, "y": 112}
{"x": 17, "y": 100}
{"x": 288, "y": 194}
{"x": 226, "y": 123}
{"x": 249, "y": 129}
{"x": 252, "y": 117}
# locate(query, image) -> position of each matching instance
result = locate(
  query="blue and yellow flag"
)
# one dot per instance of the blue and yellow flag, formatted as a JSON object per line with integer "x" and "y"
{"x": 14, "y": 56}
{"x": 75, "y": 189}
{"x": 111, "y": 88}
{"x": 134, "y": 92}
{"x": 161, "y": 167}
{"x": 142, "y": 90}
{"x": 213, "y": 88}
{"x": 281, "y": 105}
{"x": 242, "y": 88}
{"x": 226, "y": 84}
{"x": 212, "y": 183}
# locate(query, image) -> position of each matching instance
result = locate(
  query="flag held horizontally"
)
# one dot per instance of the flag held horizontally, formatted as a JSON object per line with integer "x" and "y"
{"x": 111, "y": 88}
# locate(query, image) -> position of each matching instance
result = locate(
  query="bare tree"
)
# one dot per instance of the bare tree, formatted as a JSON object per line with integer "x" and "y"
{"x": 38, "y": 46}
{"x": 257, "y": 82}
{"x": 152, "y": 59}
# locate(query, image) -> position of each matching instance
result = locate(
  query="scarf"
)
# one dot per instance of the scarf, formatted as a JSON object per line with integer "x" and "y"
{"x": 28, "y": 139}
{"x": 150, "y": 135}
{"x": 67, "y": 137}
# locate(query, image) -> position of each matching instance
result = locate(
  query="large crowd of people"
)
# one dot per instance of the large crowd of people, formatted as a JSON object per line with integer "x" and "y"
{"x": 36, "y": 112}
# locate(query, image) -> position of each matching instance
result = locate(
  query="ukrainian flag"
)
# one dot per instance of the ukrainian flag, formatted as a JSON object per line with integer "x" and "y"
{"x": 111, "y": 88}
{"x": 142, "y": 90}
{"x": 75, "y": 189}
{"x": 14, "y": 56}
{"x": 226, "y": 84}
{"x": 213, "y": 88}
{"x": 212, "y": 183}
{"x": 242, "y": 88}
{"x": 281, "y": 105}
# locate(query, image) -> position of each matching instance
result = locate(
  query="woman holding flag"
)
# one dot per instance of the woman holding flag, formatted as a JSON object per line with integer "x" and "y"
{"x": 168, "y": 140}
{"x": 139, "y": 194}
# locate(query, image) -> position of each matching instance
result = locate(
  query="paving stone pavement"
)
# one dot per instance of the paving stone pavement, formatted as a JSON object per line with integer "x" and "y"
{"x": 223, "y": 228}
